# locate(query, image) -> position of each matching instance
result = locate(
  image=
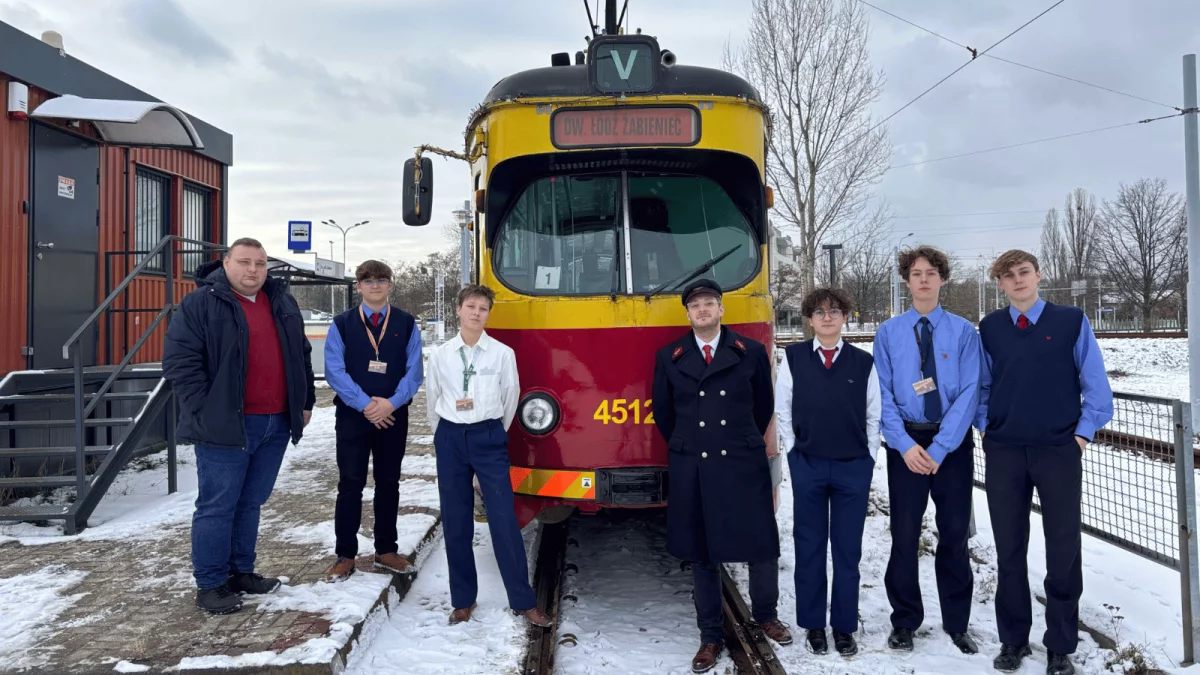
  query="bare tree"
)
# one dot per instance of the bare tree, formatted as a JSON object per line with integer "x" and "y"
{"x": 785, "y": 289}
{"x": 1079, "y": 234}
{"x": 808, "y": 60}
{"x": 1053, "y": 254}
{"x": 1142, "y": 243}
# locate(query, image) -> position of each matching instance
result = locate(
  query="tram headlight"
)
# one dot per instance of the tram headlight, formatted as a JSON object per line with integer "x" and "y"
{"x": 538, "y": 413}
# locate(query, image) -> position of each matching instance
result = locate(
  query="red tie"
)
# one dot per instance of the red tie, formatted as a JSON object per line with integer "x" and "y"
{"x": 375, "y": 319}
{"x": 708, "y": 353}
{"x": 828, "y": 354}
{"x": 1022, "y": 322}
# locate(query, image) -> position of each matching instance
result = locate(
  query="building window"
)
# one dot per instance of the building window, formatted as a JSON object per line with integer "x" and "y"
{"x": 197, "y": 226}
{"x": 152, "y": 215}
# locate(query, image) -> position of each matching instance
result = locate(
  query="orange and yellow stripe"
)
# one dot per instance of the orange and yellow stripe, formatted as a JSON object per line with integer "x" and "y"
{"x": 553, "y": 483}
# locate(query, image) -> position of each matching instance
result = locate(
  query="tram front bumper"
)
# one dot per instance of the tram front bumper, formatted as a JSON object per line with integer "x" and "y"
{"x": 626, "y": 486}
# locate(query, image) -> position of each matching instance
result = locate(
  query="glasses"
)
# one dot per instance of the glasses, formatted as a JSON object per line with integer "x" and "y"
{"x": 374, "y": 283}
{"x": 833, "y": 314}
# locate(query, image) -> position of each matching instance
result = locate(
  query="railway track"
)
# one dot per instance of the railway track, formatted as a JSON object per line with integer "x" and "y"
{"x": 784, "y": 341}
{"x": 746, "y": 643}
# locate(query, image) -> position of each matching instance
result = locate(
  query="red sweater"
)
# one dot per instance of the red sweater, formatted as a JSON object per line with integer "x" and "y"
{"x": 266, "y": 383}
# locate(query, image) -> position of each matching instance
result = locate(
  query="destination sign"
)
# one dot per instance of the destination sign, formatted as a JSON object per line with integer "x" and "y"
{"x": 625, "y": 126}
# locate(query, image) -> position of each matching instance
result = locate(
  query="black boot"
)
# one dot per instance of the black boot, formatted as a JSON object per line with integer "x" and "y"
{"x": 964, "y": 643}
{"x": 1009, "y": 660}
{"x": 219, "y": 600}
{"x": 1059, "y": 664}
{"x": 816, "y": 641}
{"x": 254, "y": 584}
{"x": 901, "y": 639}
{"x": 844, "y": 643}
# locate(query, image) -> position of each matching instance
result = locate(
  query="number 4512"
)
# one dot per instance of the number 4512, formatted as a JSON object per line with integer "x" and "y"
{"x": 620, "y": 411}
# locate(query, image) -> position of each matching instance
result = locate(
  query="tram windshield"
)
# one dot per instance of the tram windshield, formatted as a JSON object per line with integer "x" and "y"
{"x": 565, "y": 235}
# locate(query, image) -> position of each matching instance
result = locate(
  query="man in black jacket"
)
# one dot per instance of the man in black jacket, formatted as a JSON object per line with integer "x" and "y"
{"x": 241, "y": 367}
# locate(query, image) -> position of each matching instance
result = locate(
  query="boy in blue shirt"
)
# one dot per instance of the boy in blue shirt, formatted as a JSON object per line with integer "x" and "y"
{"x": 1044, "y": 394}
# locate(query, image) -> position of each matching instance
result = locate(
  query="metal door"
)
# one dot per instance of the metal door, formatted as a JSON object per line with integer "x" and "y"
{"x": 64, "y": 242}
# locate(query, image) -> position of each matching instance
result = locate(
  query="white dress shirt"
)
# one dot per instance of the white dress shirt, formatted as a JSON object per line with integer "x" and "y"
{"x": 700, "y": 343}
{"x": 494, "y": 388}
{"x": 783, "y": 404}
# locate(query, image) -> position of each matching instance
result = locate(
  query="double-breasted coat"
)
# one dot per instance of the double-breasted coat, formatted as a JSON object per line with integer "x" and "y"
{"x": 720, "y": 507}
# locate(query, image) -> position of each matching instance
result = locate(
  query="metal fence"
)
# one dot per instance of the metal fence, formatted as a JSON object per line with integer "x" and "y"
{"x": 1139, "y": 492}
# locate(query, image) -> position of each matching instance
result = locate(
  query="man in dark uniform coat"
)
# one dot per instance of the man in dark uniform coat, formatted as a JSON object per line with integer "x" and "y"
{"x": 713, "y": 401}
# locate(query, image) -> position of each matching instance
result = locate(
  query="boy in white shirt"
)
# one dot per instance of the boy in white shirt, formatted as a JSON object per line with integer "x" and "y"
{"x": 471, "y": 393}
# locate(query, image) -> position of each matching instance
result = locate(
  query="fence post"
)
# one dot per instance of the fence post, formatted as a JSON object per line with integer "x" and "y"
{"x": 1189, "y": 561}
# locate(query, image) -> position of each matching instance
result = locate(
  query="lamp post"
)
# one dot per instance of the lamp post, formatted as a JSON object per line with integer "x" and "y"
{"x": 896, "y": 275}
{"x": 832, "y": 263}
{"x": 344, "y": 230}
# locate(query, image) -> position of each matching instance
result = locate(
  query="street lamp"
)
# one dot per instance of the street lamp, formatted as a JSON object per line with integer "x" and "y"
{"x": 344, "y": 230}
{"x": 896, "y": 275}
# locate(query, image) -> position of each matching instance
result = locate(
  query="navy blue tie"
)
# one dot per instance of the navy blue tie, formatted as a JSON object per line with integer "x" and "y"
{"x": 933, "y": 399}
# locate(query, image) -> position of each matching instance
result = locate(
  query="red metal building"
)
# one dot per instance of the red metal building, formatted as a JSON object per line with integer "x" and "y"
{"x": 93, "y": 170}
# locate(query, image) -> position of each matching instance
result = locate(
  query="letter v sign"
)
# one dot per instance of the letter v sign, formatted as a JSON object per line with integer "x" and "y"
{"x": 624, "y": 69}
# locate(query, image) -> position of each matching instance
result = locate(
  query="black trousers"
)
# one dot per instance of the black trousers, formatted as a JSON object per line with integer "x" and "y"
{"x": 909, "y": 495}
{"x": 357, "y": 442}
{"x": 1057, "y": 473}
{"x": 706, "y": 593}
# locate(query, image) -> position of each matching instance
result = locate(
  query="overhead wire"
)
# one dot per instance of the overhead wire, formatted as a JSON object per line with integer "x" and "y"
{"x": 963, "y": 215}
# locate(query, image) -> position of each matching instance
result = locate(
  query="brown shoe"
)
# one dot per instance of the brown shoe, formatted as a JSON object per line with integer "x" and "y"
{"x": 706, "y": 658}
{"x": 461, "y": 615}
{"x": 394, "y": 563}
{"x": 341, "y": 570}
{"x": 536, "y": 617}
{"x": 777, "y": 631}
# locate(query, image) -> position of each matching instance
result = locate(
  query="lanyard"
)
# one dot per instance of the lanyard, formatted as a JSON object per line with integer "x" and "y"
{"x": 468, "y": 371}
{"x": 371, "y": 336}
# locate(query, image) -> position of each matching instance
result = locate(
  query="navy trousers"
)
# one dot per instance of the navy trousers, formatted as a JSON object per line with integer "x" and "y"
{"x": 829, "y": 499}
{"x": 465, "y": 451}
{"x": 1057, "y": 473}
{"x": 706, "y": 592}
{"x": 909, "y": 495}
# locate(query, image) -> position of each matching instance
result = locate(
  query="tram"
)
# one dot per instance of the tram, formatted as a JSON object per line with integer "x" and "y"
{"x": 603, "y": 187}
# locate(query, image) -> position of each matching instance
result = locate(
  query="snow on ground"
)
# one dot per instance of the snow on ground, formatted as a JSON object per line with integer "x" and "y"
{"x": 31, "y": 602}
{"x": 414, "y": 636}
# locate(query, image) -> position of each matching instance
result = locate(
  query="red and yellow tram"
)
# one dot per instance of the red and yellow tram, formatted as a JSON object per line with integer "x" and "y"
{"x": 602, "y": 188}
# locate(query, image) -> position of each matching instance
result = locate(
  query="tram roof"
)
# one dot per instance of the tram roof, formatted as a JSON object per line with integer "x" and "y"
{"x": 573, "y": 80}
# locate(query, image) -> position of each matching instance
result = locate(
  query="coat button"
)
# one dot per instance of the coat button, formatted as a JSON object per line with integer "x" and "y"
{"x": 702, "y": 424}
{"x": 723, "y": 453}
{"x": 704, "y": 455}
{"x": 701, "y": 393}
{"x": 722, "y": 392}
{"x": 722, "y": 422}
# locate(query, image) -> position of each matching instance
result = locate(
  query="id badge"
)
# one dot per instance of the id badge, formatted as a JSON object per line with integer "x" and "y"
{"x": 377, "y": 367}
{"x": 924, "y": 386}
{"x": 464, "y": 404}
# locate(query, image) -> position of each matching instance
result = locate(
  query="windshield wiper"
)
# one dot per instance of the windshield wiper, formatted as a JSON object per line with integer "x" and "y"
{"x": 692, "y": 274}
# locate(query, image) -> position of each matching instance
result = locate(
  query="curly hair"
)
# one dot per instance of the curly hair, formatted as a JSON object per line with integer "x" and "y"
{"x": 834, "y": 298}
{"x": 1010, "y": 259}
{"x": 935, "y": 257}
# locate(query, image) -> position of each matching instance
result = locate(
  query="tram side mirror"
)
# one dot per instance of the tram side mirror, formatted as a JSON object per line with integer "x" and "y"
{"x": 418, "y": 191}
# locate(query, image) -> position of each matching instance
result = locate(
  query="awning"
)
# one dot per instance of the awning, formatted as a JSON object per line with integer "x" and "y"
{"x": 126, "y": 122}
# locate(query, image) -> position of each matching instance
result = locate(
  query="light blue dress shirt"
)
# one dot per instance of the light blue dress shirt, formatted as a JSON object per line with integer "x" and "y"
{"x": 1089, "y": 363}
{"x": 956, "y": 348}
{"x": 349, "y": 391}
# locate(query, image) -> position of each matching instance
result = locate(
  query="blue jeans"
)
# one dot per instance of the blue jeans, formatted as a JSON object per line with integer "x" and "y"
{"x": 234, "y": 484}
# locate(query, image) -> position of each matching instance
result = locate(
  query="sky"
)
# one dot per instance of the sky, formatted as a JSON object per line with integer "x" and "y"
{"x": 326, "y": 99}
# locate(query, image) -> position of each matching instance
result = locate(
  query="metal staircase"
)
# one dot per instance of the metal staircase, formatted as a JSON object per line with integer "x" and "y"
{"x": 79, "y": 427}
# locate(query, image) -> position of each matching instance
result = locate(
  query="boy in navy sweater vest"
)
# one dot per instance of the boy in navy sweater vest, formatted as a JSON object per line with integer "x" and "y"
{"x": 373, "y": 363}
{"x": 829, "y": 423}
{"x": 1044, "y": 394}
{"x": 928, "y": 361}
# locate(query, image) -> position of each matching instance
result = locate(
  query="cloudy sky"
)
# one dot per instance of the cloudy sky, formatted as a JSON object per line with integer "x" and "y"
{"x": 325, "y": 99}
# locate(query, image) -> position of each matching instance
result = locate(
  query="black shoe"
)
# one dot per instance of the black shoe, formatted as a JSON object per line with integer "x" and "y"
{"x": 901, "y": 639}
{"x": 844, "y": 643}
{"x": 254, "y": 584}
{"x": 219, "y": 600}
{"x": 964, "y": 643}
{"x": 1009, "y": 660}
{"x": 816, "y": 641}
{"x": 1059, "y": 664}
